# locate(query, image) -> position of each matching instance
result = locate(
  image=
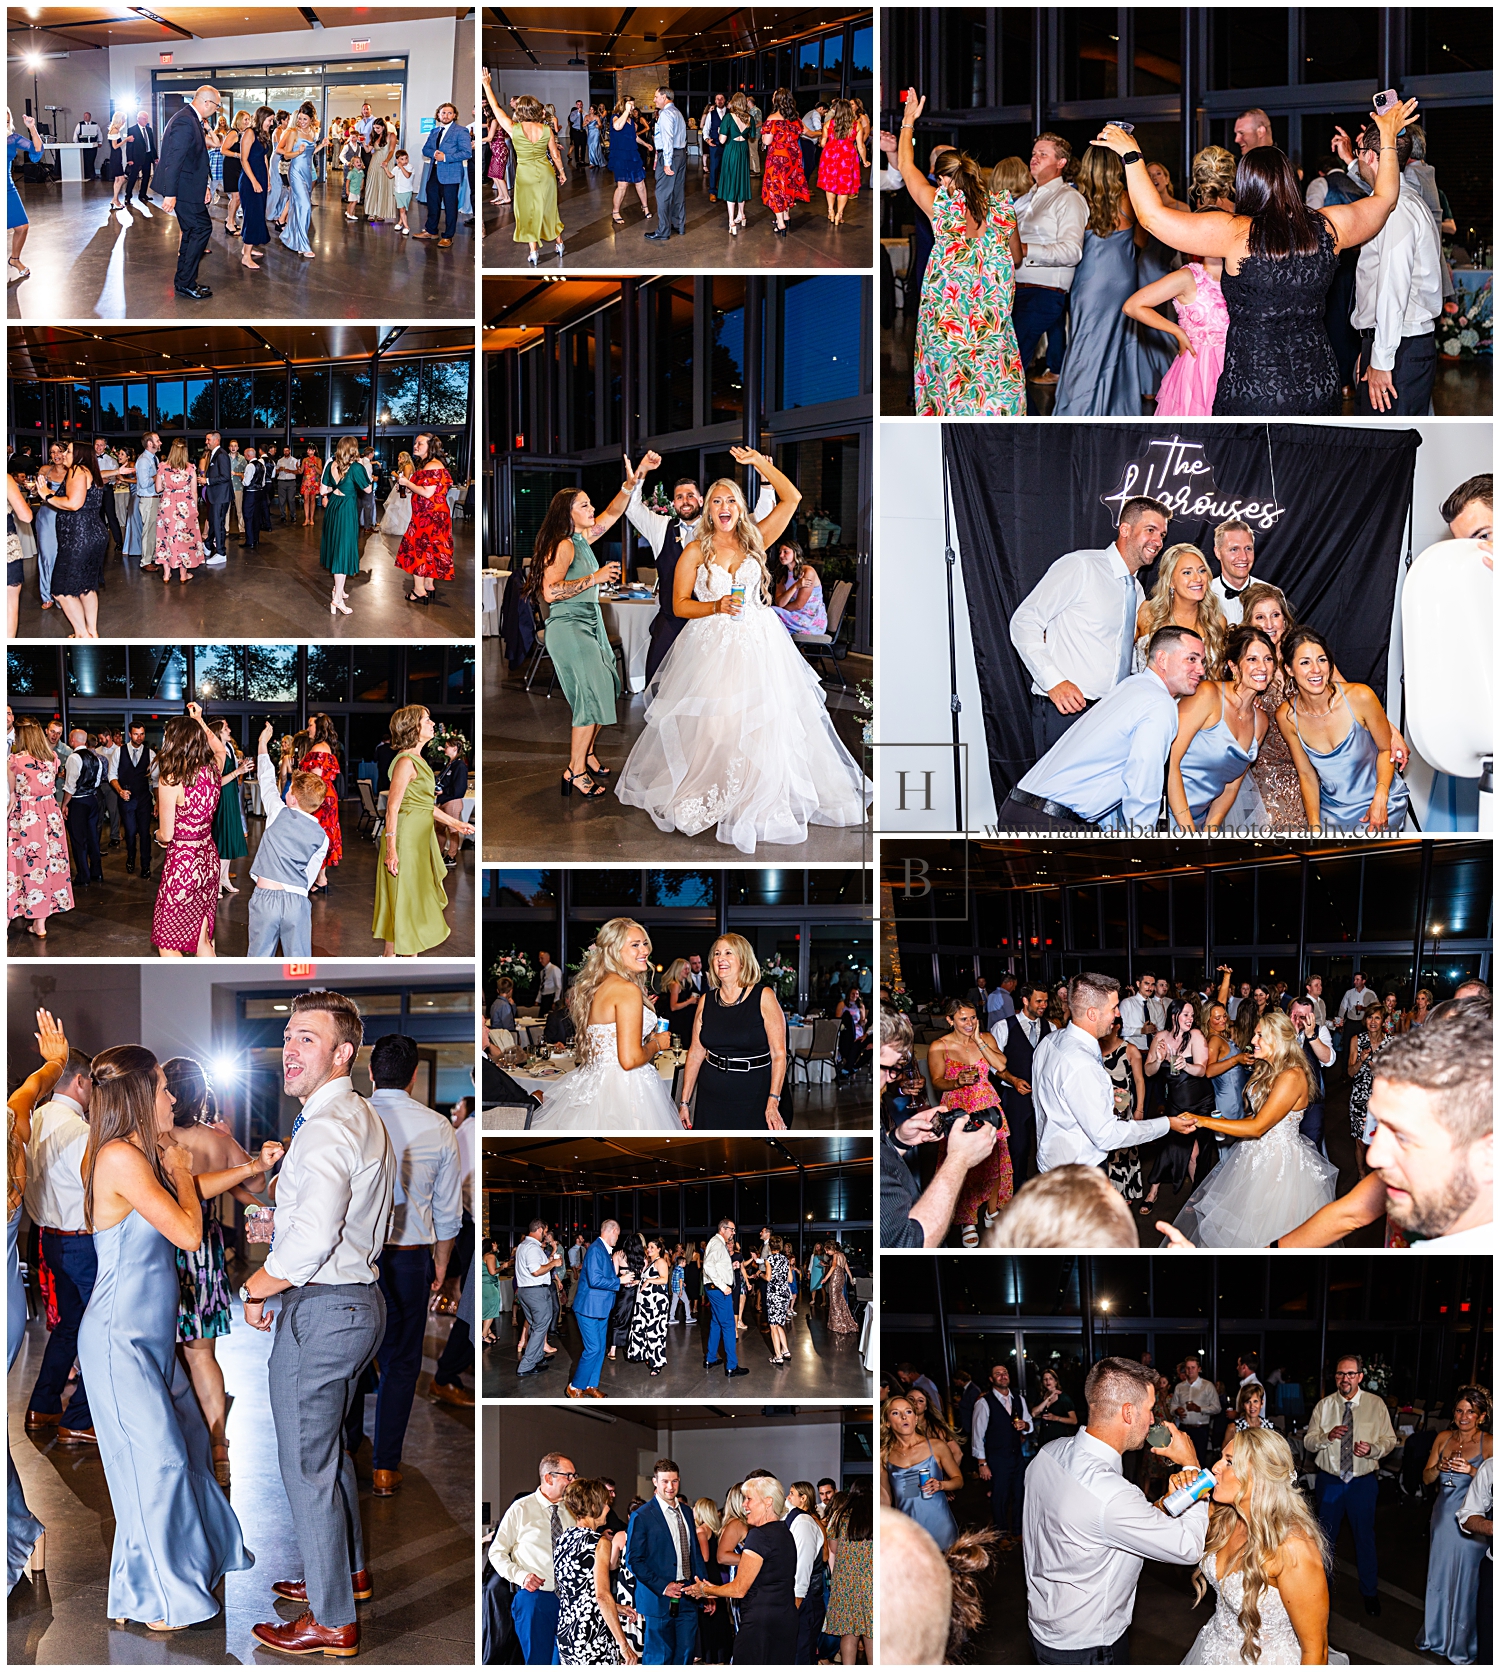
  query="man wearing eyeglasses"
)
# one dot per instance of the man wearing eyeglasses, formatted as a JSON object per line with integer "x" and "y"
{"x": 1349, "y": 1433}
{"x": 521, "y": 1552}
{"x": 182, "y": 179}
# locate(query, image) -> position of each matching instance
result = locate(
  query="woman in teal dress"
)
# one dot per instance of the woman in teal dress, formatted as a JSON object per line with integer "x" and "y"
{"x": 539, "y": 171}
{"x": 565, "y": 576}
{"x": 229, "y": 816}
{"x": 734, "y": 165}
{"x": 300, "y": 144}
{"x": 344, "y": 480}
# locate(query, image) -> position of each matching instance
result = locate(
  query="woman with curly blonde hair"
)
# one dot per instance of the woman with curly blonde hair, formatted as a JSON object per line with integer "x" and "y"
{"x": 1102, "y": 372}
{"x": 737, "y": 732}
{"x": 1266, "y": 1559}
{"x": 615, "y": 1086}
{"x": 1271, "y": 1180}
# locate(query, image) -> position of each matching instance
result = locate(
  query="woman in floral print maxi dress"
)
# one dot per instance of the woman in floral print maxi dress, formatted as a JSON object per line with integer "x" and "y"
{"x": 38, "y": 884}
{"x": 190, "y": 764}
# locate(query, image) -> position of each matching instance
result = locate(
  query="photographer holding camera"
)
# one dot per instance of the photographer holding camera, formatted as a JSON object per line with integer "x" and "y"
{"x": 910, "y": 1218}
{"x": 537, "y": 1258}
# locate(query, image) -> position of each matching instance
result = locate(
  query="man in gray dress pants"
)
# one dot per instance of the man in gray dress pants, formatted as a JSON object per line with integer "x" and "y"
{"x": 671, "y": 168}
{"x": 333, "y": 1205}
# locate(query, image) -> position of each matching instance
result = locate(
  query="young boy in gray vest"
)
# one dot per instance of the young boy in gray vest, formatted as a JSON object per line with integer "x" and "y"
{"x": 287, "y": 862}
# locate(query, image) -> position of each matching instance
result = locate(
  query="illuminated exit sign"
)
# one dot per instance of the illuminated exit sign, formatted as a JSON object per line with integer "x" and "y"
{"x": 359, "y": 46}
{"x": 164, "y": 57}
{"x": 298, "y": 972}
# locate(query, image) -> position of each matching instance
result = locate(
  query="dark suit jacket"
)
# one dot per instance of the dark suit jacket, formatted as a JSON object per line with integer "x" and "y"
{"x": 599, "y": 1283}
{"x": 652, "y": 1555}
{"x": 182, "y": 169}
{"x": 220, "y": 472}
{"x": 142, "y": 142}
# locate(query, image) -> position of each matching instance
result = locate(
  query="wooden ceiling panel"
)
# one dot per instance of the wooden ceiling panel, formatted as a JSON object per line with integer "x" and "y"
{"x": 522, "y": 38}
{"x": 110, "y": 24}
{"x": 516, "y": 309}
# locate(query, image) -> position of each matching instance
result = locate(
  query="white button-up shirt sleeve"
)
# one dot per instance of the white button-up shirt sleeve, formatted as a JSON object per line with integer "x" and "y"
{"x": 1479, "y": 1499}
{"x": 1052, "y": 228}
{"x": 1060, "y": 588}
{"x": 809, "y": 1541}
{"x": 979, "y": 1427}
{"x": 1075, "y": 1102}
{"x": 651, "y": 525}
{"x": 718, "y": 1268}
{"x": 448, "y": 1188}
{"x": 1133, "y": 1523}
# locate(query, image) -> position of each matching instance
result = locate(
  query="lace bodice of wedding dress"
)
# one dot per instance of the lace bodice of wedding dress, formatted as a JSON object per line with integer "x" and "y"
{"x": 1220, "y": 1641}
{"x": 600, "y": 1096}
{"x": 1263, "y": 1188}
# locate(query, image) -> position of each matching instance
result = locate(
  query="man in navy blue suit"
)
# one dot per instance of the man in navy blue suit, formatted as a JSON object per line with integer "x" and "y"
{"x": 448, "y": 149}
{"x": 663, "y": 1553}
{"x": 597, "y": 1287}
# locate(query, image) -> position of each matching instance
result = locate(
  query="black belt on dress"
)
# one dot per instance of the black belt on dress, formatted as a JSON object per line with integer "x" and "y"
{"x": 737, "y": 1065}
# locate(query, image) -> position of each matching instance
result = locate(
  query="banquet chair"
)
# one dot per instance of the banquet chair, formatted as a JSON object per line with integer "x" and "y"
{"x": 824, "y": 1048}
{"x": 823, "y": 647}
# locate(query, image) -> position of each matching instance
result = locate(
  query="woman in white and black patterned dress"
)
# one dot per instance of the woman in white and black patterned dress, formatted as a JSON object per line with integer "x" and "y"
{"x": 589, "y": 1632}
{"x": 631, "y": 1622}
{"x": 778, "y": 1299}
{"x": 648, "y": 1325}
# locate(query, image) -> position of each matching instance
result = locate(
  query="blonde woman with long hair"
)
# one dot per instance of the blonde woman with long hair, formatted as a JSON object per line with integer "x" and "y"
{"x": 1183, "y": 597}
{"x": 1272, "y": 1179}
{"x": 737, "y": 732}
{"x": 737, "y": 1060}
{"x": 615, "y": 1087}
{"x": 1266, "y": 1561}
{"x": 1102, "y": 372}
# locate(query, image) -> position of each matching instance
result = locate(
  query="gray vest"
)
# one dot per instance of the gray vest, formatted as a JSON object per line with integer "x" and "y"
{"x": 286, "y": 848}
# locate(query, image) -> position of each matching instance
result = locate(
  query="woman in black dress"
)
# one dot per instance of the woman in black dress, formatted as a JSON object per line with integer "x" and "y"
{"x": 82, "y": 540}
{"x": 629, "y": 1257}
{"x": 255, "y": 163}
{"x": 738, "y": 1053}
{"x": 716, "y": 1630}
{"x": 1181, "y": 1052}
{"x": 764, "y": 1582}
{"x": 1280, "y": 259}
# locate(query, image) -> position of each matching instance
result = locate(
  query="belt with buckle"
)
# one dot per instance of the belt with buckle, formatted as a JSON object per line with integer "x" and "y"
{"x": 738, "y": 1065}
{"x": 1053, "y": 809}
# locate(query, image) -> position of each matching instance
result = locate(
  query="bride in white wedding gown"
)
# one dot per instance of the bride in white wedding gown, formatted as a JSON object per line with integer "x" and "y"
{"x": 1271, "y": 1180}
{"x": 1264, "y": 1562}
{"x": 615, "y": 1087}
{"x": 737, "y": 730}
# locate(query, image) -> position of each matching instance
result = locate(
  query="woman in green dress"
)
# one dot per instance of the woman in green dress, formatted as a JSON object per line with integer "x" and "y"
{"x": 344, "y": 480}
{"x": 409, "y": 895}
{"x": 565, "y": 576}
{"x": 229, "y": 817}
{"x": 539, "y": 171}
{"x": 734, "y": 165}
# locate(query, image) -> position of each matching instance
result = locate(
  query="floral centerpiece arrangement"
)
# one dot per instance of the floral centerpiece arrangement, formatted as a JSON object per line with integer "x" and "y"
{"x": 1465, "y": 326}
{"x": 517, "y": 967}
{"x": 781, "y": 977}
{"x": 900, "y": 998}
{"x": 441, "y": 738}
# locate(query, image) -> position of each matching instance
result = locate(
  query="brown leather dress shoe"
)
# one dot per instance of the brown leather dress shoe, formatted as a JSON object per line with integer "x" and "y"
{"x": 592, "y": 1393}
{"x": 295, "y": 1590}
{"x": 449, "y": 1393}
{"x": 386, "y": 1481}
{"x": 76, "y": 1437}
{"x": 304, "y": 1636}
{"x": 42, "y": 1419}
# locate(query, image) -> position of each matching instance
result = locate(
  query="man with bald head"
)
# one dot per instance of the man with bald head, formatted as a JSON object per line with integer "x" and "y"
{"x": 1252, "y": 128}
{"x": 914, "y": 1615}
{"x": 182, "y": 180}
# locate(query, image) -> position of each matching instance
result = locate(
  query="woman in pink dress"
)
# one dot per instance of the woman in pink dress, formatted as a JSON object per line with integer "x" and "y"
{"x": 36, "y": 850}
{"x": 190, "y": 766}
{"x": 1187, "y": 390}
{"x": 839, "y": 166}
{"x": 179, "y": 545}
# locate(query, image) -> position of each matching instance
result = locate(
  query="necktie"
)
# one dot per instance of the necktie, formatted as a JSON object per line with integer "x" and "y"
{"x": 1127, "y": 632}
{"x": 297, "y": 1126}
{"x": 556, "y": 1527}
{"x": 1346, "y": 1445}
{"x": 679, "y": 1538}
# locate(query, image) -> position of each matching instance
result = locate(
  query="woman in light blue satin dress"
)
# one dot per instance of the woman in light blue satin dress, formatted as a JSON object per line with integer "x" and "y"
{"x": 275, "y": 185}
{"x": 904, "y": 1485}
{"x": 1101, "y": 373}
{"x": 1450, "y": 1625}
{"x": 175, "y": 1534}
{"x": 300, "y": 143}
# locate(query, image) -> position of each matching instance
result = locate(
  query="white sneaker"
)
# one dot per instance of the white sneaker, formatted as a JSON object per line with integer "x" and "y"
{"x": 215, "y": 562}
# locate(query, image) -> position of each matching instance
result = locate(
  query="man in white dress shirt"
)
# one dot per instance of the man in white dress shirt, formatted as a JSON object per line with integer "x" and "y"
{"x": 1074, "y": 1095}
{"x": 550, "y": 990}
{"x": 334, "y": 1194}
{"x": 1357, "y": 999}
{"x": 1476, "y": 1515}
{"x": 1075, "y": 629}
{"x": 1195, "y": 1403}
{"x": 1137, "y": 1023}
{"x": 425, "y": 1220}
{"x": 1053, "y": 218}
{"x": 1398, "y": 293}
{"x": 537, "y": 1258}
{"x": 1001, "y": 1421}
{"x": 1315, "y": 999}
{"x": 521, "y": 1552}
{"x": 1086, "y": 1530}
{"x": 54, "y": 1204}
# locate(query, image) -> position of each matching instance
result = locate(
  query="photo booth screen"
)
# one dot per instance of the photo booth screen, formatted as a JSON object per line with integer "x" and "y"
{"x": 1329, "y": 508}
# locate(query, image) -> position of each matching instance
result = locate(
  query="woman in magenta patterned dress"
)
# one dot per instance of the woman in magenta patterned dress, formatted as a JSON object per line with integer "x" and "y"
{"x": 190, "y": 766}
{"x": 839, "y": 166}
{"x": 967, "y": 361}
{"x": 178, "y": 542}
{"x": 960, "y": 1064}
{"x": 427, "y": 546}
{"x": 36, "y": 848}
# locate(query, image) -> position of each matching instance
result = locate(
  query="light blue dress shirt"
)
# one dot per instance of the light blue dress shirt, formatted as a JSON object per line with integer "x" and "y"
{"x": 671, "y": 129}
{"x": 145, "y": 475}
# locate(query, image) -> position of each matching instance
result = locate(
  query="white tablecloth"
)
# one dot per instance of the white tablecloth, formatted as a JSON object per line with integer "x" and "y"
{"x": 507, "y": 1294}
{"x": 491, "y": 600}
{"x": 565, "y": 1066}
{"x": 630, "y": 623}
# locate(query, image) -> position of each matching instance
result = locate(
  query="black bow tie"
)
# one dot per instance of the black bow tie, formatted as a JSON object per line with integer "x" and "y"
{"x": 1229, "y": 591}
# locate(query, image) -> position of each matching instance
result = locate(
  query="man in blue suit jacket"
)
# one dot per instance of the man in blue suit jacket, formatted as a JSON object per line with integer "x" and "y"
{"x": 660, "y": 1546}
{"x": 448, "y": 149}
{"x": 592, "y": 1305}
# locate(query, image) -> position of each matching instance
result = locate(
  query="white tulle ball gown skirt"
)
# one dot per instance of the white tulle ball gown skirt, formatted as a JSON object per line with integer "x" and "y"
{"x": 1262, "y": 1189}
{"x": 600, "y": 1096}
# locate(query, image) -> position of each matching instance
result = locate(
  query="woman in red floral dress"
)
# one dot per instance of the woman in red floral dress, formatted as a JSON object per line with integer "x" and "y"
{"x": 320, "y": 758}
{"x": 427, "y": 546}
{"x": 783, "y": 183}
{"x": 843, "y": 157}
{"x": 190, "y": 766}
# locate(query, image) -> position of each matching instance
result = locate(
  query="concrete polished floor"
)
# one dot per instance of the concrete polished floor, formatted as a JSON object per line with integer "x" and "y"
{"x": 112, "y": 919}
{"x": 592, "y": 240}
{"x": 278, "y": 590}
{"x": 89, "y": 263}
{"x": 1463, "y": 389}
{"x": 528, "y": 820}
{"x": 822, "y": 1366}
{"x": 419, "y": 1544}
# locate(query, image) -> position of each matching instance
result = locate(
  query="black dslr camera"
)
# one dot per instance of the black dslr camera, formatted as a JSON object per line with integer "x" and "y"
{"x": 950, "y": 1118}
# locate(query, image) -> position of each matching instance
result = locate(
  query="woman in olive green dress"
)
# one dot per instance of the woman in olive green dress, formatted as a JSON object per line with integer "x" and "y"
{"x": 539, "y": 171}
{"x": 409, "y": 895}
{"x": 344, "y": 480}
{"x": 565, "y": 575}
{"x": 734, "y": 165}
{"x": 229, "y": 817}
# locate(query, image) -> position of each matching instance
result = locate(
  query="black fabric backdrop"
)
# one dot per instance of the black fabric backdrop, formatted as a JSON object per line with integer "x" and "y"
{"x": 1025, "y": 494}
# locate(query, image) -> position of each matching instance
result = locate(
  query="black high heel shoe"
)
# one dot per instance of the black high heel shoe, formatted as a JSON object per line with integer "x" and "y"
{"x": 570, "y": 783}
{"x": 591, "y": 761}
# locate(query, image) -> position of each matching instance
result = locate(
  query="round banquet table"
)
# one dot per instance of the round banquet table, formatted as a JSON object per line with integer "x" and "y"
{"x": 492, "y": 598}
{"x": 629, "y": 620}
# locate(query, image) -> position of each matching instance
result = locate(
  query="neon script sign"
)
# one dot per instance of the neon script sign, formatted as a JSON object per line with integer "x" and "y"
{"x": 1177, "y": 473}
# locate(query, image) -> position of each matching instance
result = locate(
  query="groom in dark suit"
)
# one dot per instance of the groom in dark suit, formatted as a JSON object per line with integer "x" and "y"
{"x": 662, "y": 1551}
{"x": 220, "y": 497}
{"x": 182, "y": 180}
